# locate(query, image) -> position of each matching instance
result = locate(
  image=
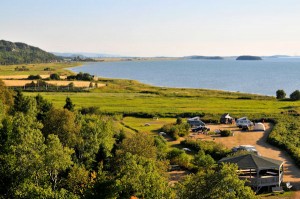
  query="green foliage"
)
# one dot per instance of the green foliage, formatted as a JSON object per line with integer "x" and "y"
{"x": 62, "y": 123}
{"x": 176, "y": 130}
{"x": 179, "y": 157}
{"x": 179, "y": 120}
{"x": 57, "y": 158}
{"x": 95, "y": 138}
{"x": 201, "y": 160}
{"x": 226, "y": 133}
{"x": 23, "y": 104}
{"x": 139, "y": 176}
{"x": 43, "y": 107}
{"x": 18, "y": 53}
{"x": 69, "y": 104}
{"x": 295, "y": 95}
{"x": 280, "y": 94}
{"x": 285, "y": 135}
{"x": 161, "y": 145}
{"x": 54, "y": 76}
{"x": 33, "y": 77}
{"x": 81, "y": 76}
{"x": 216, "y": 150}
{"x": 79, "y": 180}
{"x": 140, "y": 144}
{"x": 214, "y": 184}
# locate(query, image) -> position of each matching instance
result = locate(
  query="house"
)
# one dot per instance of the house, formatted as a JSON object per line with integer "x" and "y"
{"x": 195, "y": 121}
{"x": 226, "y": 119}
{"x": 259, "y": 171}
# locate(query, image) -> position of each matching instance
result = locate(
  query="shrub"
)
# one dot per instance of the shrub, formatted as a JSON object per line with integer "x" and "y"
{"x": 216, "y": 150}
{"x": 33, "y": 77}
{"x": 176, "y": 130}
{"x": 280, "y": 94}
{"x": 295, "y": 95}
{"x": 55, "y": 76}
{"x": 225, "y": 133}
{"x": 179, "y": 157}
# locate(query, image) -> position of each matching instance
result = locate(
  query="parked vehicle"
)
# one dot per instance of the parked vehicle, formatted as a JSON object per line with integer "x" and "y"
{"x": 200, "y": 128}
{"x": 244, "y": 121}
{"x": 248, "y": 148}
{"x": 195, "y": 121}
{"x": 187, "y": 149}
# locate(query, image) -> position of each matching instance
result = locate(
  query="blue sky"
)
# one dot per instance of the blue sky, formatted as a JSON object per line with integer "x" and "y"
{"x": 155, "y": 27}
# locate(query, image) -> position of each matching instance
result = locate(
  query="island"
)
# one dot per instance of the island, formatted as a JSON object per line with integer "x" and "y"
{"x": 203, "y": 57}
{"x": 248, "y": 57}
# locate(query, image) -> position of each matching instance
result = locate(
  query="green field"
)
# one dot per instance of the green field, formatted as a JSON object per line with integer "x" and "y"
{"x": 212, "y": 106}
{"x": 38, "y": 69}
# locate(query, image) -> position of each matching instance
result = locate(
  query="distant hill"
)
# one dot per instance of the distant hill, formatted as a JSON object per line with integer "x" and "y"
{"x": 203, "y": 57}
{"x": 21, "y": 53}
{"x": 248, "y": 57}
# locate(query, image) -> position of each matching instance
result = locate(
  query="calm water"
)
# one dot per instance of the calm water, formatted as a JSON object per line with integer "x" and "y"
{"x": 262, "y": 77}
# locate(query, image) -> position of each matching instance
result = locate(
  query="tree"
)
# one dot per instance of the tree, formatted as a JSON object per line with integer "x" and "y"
{"x": 280, "y": 94}
{"x": 139, "y": 176}
{"x": 140, "y": 144}
{"x": 96, "y": 137}
{"x": 43, "y": 107}
{"x": 214, "y": 184}
{"x": 69, "y": 104}
{"x": 57, "y": 158}
{"x": 21, "y": 153}
{"x": 64, "y": 124}
{"x": 55, "y": 76}
{"x": 203, "y": 161}
{"x": 295, "y": 95}
{"x": 23, "y": 104}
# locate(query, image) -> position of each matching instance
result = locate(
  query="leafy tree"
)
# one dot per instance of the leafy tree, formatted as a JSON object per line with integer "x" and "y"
{"x": 295, "y": 95}
{"x": 139, "y": 176}
{"x": 24, "y": 104}
{"x": 21, "y": 153}
{"x": 79, "y": 180}
{"x": 55, "y": 76}
{"x": 6, "y": 95}
{"x": 69, "y": 104}
{"x": 96, "y": 136}
{"x": 57, "y": 158}
{"x": 140, "y": 144}
{"x": 203, "y": 161}
{"x": 280, "y": 94}
{"x": 213, "y": 184}
{"x": 43, "y": 107}
{"x": 64, "y": 124}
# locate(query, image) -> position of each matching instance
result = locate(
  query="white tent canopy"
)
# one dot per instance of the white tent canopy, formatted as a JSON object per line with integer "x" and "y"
{"x": 259, "y": 127}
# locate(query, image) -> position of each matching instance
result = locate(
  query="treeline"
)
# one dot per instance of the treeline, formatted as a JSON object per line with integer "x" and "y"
{"x": 20, "y": 53}
{"x": 48, "y": 152}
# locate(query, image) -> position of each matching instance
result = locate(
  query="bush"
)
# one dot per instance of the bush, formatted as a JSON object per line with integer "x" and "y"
{"x": 33, "y": 77}
{"x": 176, "y": 130}
{"x": 295, "y": 95}
{"x": 55, "y": 76}
{"x": 179, "y": 157}
{"x": 216, "y": 150}
{"x": 225, "y": 133}
{"x": 81, "y": 76}
{"x": 280, "y": 94}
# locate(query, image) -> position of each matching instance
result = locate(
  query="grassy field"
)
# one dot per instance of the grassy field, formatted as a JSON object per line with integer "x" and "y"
{"x": 212, "y": 106}
{"x": 38, "y": 69}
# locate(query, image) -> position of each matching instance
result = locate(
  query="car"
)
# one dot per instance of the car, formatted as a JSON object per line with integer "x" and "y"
{"x": 248, "y": 148}
{"x": 243, "y": 122}
{"x": 187, "y": 149}
{"x": 200, "y": 128}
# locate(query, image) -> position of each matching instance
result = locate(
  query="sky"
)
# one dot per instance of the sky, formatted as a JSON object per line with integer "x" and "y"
{"x": 155, "y": 27}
